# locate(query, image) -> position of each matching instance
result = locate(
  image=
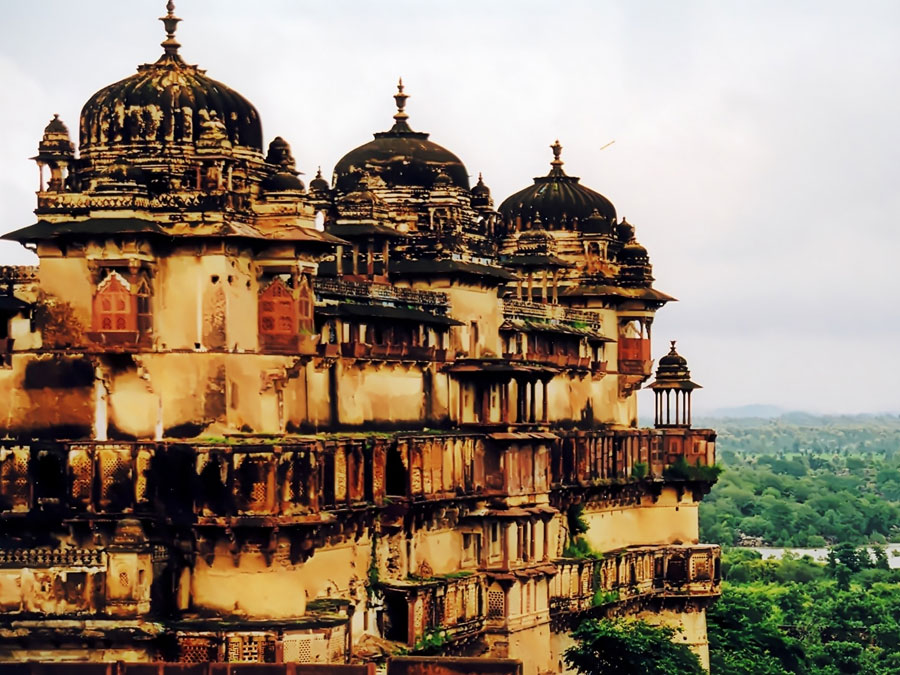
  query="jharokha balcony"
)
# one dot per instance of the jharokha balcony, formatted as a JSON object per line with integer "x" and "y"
{"x": 450, "y": 609}
{"x": 638, "y": 573}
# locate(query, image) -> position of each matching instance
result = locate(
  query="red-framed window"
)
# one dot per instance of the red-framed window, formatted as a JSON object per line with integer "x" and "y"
{"x": 278, "y": 310}
{"x": 115, "y": 306}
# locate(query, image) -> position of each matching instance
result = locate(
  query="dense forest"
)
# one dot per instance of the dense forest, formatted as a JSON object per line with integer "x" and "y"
{"x": 805, "y": 481}
{"x": 798, "y": 616}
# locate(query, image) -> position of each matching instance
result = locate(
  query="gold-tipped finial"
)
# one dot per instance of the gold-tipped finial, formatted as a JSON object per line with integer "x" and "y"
{"x": 170, "y": 21}
{"x": 557, "y": 151}
{"x": 400, "y": 100}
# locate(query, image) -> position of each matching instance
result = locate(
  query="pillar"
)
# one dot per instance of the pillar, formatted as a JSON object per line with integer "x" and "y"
{"x": 532, "y": 402}
{"x": 545, "y": 410}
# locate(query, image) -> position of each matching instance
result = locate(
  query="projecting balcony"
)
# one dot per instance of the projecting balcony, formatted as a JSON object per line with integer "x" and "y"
{"x": 451, "y": 607}
{"x": 382, "y": 292}
{"x": 626, "y": 575}
{"x": 634, "y": 356}
{"x": 629, "y": 454}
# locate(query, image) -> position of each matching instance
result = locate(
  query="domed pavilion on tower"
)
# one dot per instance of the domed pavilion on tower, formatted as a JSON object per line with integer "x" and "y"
{"x": 251, "y": 420}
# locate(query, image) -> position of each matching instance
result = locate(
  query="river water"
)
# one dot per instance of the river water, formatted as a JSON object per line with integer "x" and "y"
{"x": 821, "y": 554}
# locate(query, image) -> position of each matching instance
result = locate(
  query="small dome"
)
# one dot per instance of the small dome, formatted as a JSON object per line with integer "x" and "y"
{"x": 624, "y": 231}
{"x": 166, "y": 103}
{"x": 673, "y": 372}
{"x": 536, "y": 241}
{"x": 283, "y": 181}
{"x": 280, "y": 154}
{"x": 596, "y": 224}
{"x": 285, "y": 178}
{"x": 400, "y": 157}
{"x": 481, "y": 195}
{"x": 56, "y": 144}
{"x": 561, "y": 200}
{"x": 633, "y": 252}
{"x": 319, "y": 184}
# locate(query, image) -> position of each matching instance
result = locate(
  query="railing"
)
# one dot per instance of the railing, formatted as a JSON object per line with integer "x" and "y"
{"x": 240, "y": 477}
{"x": 585, "y": 458}
{"x": 392, "y": 352}
{"x": 450, "y": 607}
{"x": 676, "y": 570}
{"x": 550, "y": 312}
{"x": 191, "y": 200}
{"x": 358, "y": 289}
{"x": 18, "y": 273}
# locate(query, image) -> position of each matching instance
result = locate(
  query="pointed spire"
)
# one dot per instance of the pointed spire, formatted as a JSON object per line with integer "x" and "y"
{"x": 400, "y": 116}
{"x": 170, "y": 21}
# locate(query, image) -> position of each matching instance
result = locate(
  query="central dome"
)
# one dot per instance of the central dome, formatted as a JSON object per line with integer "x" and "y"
{"x": 166, "y": 103}
{"x": 400, "y": 157}
{"x": 559, "y": 200}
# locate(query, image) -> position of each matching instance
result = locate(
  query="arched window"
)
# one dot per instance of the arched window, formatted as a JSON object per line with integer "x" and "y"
{"x": 115, "y": 308}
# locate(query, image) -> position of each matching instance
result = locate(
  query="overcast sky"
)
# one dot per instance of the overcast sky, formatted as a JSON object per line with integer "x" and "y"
{"x": 756, "y": 143}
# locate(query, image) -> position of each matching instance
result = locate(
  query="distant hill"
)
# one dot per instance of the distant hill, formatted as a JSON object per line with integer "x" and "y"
{"x": 758, "y": 415}
{"x": 753, "y": 410}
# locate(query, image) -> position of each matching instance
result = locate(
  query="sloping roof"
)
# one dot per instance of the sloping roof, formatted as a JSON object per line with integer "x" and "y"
{"x": 587, "y": 290}
{"x": 453, "y": 267}
{"x": 43, "y": 230}
{"x": 526, "y": 326}
{"x": 543, "y": 260}
{"x": 8, "y": 303}
{"x": 362, "y": 229}
{"x": 349, "y": 309}
{"x": 106, "y": 226}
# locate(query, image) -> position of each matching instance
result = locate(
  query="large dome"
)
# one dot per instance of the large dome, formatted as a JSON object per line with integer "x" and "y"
{"x": 166, "y": 103}
{"x": 400, "y": 157}
{"x": 560, "y": 201}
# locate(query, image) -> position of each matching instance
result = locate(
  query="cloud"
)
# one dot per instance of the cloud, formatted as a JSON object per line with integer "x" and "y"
{"x": 755, "y": 149}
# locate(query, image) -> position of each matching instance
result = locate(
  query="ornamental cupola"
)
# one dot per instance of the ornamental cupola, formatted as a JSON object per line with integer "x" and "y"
{"x": 672, "y": 389}
{"x": 285, "y": 176}
{"x": 481, "y": 195}
{"x": 56, "y": 152}
{"x": 635, "y": 270}
{"x": 319, "y": 185}
{"x": 561, "y": 200}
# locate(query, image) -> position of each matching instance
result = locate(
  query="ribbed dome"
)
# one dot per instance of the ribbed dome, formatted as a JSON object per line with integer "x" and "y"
{"x": 165, "y": 103}
{"x": 400, "y": 157}
{"x": 673, "y": 372}
{"x": 559, "y": 199}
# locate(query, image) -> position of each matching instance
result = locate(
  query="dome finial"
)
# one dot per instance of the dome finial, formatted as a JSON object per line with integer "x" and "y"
{"x": 557, "y": 151}
{"x": 400, "y": 99}
{"x": 170, "y": 21}
{"x": 672, "y": 350}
